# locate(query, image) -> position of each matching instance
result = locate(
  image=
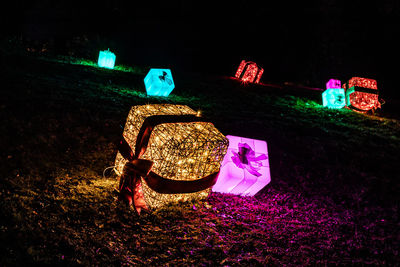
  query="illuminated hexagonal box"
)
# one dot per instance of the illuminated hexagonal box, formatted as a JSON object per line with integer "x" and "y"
{"x": 159, "y": 82}
{"x": 106, "y": 59}
{"x": 245, "y": 169}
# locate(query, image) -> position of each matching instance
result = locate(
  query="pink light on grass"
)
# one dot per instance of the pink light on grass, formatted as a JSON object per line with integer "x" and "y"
{"x": 245, "y": 168}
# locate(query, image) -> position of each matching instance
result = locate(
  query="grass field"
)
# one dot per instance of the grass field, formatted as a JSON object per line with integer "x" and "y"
{"x": 333, "y": 198}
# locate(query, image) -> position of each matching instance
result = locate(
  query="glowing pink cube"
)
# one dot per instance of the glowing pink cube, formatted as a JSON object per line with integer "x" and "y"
{"x": 245, "y": 168}
{"x": 333, "y": 84}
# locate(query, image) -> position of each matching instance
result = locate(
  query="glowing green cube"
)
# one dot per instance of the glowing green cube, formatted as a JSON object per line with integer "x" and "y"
{"x": 106, "y": 59}
{"x": 334, "y": 98}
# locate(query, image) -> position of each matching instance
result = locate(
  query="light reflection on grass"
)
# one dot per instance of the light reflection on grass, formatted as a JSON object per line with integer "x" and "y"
{"x": 91, "y": 63}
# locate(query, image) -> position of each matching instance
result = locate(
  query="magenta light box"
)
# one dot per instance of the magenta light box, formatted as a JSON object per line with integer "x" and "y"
{"x": 245, "y": 168}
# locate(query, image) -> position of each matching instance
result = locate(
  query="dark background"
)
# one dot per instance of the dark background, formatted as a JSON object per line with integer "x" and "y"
{"x": 306, "y": 42}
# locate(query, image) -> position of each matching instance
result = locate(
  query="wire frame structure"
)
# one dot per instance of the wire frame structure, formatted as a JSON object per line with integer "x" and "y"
{"x": 249, "y": 71}
{"x": 179, "y": 151}
{"x": 362, "y": 94}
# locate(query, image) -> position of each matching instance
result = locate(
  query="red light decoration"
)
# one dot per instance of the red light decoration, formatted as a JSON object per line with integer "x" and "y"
{"x": 249, "y": 72}
{"x": 363, "y": 82}
{"x": 362, "y": 94}
{"x": 260, "y": 72}
{"x": 240, "y": 69}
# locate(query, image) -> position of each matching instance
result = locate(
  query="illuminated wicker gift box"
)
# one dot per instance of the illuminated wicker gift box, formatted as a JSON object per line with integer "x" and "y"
{"x": 106, "y": 59}
{"x": 159, "y": 82}
{"x": 362, "y": 94}
{"x": 249, "y": 72}
{"x": 245, "y": 168}
{"x": 184, "y": 150}
{"x": 334, "y": 96}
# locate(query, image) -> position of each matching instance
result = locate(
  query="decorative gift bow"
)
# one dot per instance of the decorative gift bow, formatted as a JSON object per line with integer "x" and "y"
{"x": 130, "y": 189}
{"x": 247, "y": 160}
{"x": 164, "y": 78}
{"x": 338, "y": 100}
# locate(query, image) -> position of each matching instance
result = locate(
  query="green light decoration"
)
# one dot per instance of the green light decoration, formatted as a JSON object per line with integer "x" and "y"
{"x": 334, "y": 98}
{"x": 106, "y": 59}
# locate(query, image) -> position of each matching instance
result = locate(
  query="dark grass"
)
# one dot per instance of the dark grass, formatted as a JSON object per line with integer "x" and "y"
{"x": 333, "y": 199}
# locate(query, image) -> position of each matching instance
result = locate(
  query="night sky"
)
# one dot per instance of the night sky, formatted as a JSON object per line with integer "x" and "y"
{"x": 307, "y": 43}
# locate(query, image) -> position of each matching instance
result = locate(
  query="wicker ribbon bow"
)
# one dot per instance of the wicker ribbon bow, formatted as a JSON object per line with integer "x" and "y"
{"x": 137, "y": 168}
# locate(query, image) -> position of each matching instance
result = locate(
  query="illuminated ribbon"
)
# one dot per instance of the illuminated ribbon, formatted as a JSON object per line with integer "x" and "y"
{"x": 247, "y": 160}
{"x": 137, "y": 168}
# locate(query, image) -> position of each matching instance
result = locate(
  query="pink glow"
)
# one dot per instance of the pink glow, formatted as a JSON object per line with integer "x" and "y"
{"x": 240, "y": 69}
{"x": 333, "y": 84}
{"x": 249, "y": 72}
{"x": 259, "y": 75}
{"x": 245, "y": 168}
